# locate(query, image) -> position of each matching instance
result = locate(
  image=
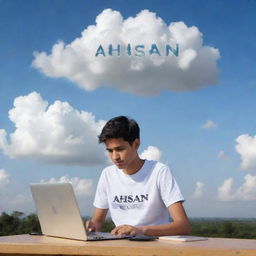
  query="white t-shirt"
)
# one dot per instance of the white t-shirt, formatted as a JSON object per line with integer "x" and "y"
{"x": 139, "y": 199}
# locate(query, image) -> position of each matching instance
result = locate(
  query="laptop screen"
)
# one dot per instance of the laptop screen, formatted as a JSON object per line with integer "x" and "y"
{"x": 58, "y": 211}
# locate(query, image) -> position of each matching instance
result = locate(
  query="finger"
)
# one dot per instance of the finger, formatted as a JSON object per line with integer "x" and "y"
{"x": 133, "y": 233}
{"x": 90, "y": 226}
{"x": 120, "y": 231}
{"x": 87, "y": 224}
{"x": 114, "y": 231}
{"x": 124, "y": 231}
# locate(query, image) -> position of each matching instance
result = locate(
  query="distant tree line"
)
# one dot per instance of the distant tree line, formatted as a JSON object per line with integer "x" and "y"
{"x": 226, "y": 228}
{"x": 18, "y": 223}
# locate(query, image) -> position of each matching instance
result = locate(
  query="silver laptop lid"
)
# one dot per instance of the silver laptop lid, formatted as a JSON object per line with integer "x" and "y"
{"x": 58, "y": 210}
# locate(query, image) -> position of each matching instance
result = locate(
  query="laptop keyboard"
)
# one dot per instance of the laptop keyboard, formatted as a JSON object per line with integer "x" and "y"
{"x": 93, "y": 236}
{"x": 102, "y": 235}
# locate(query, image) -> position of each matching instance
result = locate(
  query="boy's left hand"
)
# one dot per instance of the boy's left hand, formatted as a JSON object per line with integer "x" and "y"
{"x": 126, "y": 230}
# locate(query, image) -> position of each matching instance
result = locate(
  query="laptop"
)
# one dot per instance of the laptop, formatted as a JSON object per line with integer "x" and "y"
{"x": 59, "y": 214}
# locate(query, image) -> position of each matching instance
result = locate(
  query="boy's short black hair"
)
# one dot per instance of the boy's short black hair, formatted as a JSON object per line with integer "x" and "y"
{"x": 120, "y": 127}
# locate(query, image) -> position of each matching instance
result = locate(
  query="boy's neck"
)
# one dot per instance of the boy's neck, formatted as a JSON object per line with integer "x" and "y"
{"x": 135, "y": 167}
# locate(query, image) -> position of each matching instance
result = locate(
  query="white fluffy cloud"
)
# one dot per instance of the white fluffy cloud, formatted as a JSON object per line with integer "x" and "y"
{"x": 151, "y": 153}
{"x": 224, "y": 190}
{"x": 246, "y": 192}
{"x": 82, "y": 187}
{"x": 4, "y": 178}
{"x": 55, "y": 133}
{"x": 246, "y": 147}
{"x": 193, "y": 68}
{"x": 198, "y": 193}
{"x": 209, "y": 124}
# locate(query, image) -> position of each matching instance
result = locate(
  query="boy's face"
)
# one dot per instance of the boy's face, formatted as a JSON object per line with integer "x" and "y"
{"x": 121, "y": 152}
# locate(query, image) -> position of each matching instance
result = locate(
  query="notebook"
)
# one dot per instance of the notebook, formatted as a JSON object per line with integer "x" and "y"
{"x": 59, "y": 214}
{"x": 183, "y": 238}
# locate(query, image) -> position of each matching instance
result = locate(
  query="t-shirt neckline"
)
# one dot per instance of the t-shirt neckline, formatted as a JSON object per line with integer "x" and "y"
{"x": 139, "y": 172}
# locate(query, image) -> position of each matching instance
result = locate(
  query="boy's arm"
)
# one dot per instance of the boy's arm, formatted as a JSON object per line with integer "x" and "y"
{"x": 179, "y": 226}
{"x": 96, "y": 222}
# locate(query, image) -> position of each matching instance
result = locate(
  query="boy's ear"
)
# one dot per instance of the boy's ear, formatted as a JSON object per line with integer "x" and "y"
{"x": 136, "y": 143}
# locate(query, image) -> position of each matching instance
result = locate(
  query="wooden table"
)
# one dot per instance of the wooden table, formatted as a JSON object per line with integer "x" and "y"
{"x": 43, "y": 245}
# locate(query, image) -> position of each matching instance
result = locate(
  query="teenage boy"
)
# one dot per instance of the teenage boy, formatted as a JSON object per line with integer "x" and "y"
{"x": 141, "y": 195}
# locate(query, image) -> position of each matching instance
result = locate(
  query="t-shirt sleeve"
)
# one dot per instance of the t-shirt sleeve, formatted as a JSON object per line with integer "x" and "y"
{"x": 101, "y": 200}
{"x": 168, "y": 187}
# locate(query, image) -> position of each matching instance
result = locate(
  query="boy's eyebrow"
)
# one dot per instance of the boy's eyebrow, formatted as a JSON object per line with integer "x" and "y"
{"x": 109, "y": 149}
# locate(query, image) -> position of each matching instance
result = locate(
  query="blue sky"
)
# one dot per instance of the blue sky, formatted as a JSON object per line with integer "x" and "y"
{"x": 196, "y": 130}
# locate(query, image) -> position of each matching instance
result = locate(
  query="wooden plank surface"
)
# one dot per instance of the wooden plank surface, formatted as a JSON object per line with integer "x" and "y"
{"x": 43, "y": 245}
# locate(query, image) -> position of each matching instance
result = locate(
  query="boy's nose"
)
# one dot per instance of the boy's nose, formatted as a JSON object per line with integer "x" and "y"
{"x": 116, "y": 155}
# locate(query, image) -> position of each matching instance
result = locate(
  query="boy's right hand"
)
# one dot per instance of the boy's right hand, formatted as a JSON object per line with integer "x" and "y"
{"x": 90, "y": 226}
{"x": 96, "y": 222}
